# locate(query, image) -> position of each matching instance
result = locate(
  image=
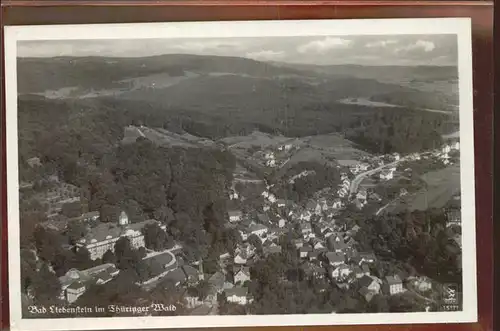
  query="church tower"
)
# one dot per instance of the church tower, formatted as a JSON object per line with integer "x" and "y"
{"x": 123, "y": 219}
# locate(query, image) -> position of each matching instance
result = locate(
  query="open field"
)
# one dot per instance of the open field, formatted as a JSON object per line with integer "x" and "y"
{"x": 441, "y": 186}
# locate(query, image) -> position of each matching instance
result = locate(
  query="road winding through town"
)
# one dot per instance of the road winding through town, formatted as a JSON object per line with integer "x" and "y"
{"x": 359, "y": 178}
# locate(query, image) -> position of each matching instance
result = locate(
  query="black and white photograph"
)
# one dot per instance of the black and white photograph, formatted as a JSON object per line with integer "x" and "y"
{"x": 240, "y": 174}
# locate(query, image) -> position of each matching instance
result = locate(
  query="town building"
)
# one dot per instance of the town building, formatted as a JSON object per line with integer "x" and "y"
{"x": 423, "y": 284}
{"x": 341, "y": 271}
{"x": 304, "y": 251}
{"x": 335, "y": 259}
{"x": 241, "y": 274}
{"x": 75, "y": 282}
{"x": 281, "y": 203}
{"x": 103, "y": 237}
{"x": 366, "y": 257}
{"x": 258, "y": 229}
{"x": 235, "y": 215}
{"x": 237, "y": 295}
{"x": 371, "y": 283}
{"x": 394, "y": 284}
{"x": 386, "y": 175}
{"x": 453, "y": 217}
{"x": 281, "y": 223}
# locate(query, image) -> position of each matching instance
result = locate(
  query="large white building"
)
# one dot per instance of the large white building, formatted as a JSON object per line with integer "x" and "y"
{"x": 75, "y": 282}
{"x": 103, "y": 237}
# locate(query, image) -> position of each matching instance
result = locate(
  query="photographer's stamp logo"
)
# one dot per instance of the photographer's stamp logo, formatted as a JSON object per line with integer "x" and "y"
{"x": 450, "y": 297}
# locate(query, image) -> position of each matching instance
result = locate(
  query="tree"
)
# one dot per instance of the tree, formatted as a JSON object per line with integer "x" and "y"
{"x": 254, "y": 240}
{"x": 378, "y": 304}
{"x": 164, "y": 214}
{"x": 110, "y": 213}
{"x": 155, "y": 237}
{"x": 71, "y": 209}
{"x": 28, "y": 269}
{"x": 45, "y": 286}
{"x": 48, "y": 243}
{"x": 75, "y": 231}
{"x": 82, "y": 258}
{"x": 109, "y": 257}
{"x": 126, "y": 257}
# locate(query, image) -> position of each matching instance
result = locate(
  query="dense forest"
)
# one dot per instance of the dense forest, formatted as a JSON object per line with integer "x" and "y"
{"x": 400, "y": 131}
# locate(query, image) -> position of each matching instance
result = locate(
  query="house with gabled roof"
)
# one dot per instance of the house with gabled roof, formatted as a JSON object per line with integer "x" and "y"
{"x": 237, "y": 295}
{"x": 358, "y": 272}
{"x": 313, "y": 270}
{"x": 74, "y": 291}
{"x": 77, "y": 281}
{"x": 281, "y": 203}
{"x": 305, "y": 228}
{"x": 340, "y": 272}
{"x": 305, "y": 215}
{"x": 241, "y": 274}
{"x": 386, "y": 174}
{"x": 393, "y": 285}
{"x": 367, "y": 257}
{"x": 367, "y": 294}
{"x": 298, "y": 242}
{"x": 313, "y": 255}
{"x": 241, "y": 258}
{"x": 334, "y": 258}
{"x": 258, "y": 229}
{"x": 304, "y": 251}
{"x": 371, "y": 283}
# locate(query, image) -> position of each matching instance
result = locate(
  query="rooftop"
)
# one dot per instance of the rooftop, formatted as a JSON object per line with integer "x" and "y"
{"x": 365, "y": 281}
{"x": 393, "y": 280}
{"x": 105, "y": 231}
{"x": 257, "y": 227}
{"x": 335, "y": 257}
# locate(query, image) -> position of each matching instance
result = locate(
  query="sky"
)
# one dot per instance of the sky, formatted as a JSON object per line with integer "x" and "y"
{"x": 437, "y": 50}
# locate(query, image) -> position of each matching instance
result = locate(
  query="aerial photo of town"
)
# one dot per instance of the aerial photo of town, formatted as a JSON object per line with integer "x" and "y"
{"x": 239, "y": 176}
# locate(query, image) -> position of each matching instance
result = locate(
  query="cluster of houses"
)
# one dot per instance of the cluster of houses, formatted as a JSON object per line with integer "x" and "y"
{"x": 327, "y": 253}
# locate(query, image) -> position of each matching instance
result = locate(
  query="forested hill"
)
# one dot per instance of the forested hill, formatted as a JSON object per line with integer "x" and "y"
{"x": 105, "y": 72}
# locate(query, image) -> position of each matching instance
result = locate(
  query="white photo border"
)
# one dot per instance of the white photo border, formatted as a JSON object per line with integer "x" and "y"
{"x": 461, "y": 27}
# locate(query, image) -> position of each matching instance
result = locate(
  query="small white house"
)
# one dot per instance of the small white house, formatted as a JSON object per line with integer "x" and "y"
{"x": 386, "y": 175}
{"x": 237, "y": 295}
{"x": 241, "y": 275}
{"x": 281, "y": 223}
{"x": 341, "y": 271}
{"x": 258, "y": 229}
{"x": 235, "y": 216}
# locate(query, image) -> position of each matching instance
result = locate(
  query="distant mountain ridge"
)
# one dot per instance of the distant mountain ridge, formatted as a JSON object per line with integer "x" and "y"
{"x": 104, "y": 72}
